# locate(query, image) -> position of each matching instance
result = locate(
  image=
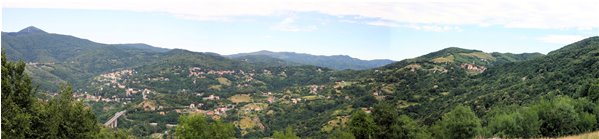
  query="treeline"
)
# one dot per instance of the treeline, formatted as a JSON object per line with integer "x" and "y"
{"x": 558, "y": 116}
{"x": 198, "y": 126}
{"x": 551, "y": 117}
{"x": 25, "y": 116}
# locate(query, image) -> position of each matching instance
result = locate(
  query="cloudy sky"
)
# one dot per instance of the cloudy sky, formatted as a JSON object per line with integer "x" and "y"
{"x": 363, "y": 29}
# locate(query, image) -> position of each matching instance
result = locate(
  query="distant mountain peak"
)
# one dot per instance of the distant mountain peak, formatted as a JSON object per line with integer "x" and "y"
{"x": 31, "y": 29}
{"x": 264, "y": 51}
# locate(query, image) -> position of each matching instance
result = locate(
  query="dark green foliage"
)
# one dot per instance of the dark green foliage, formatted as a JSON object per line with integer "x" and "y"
{"x": 69, "y": 58}
{"x": 18, "y": 104}
{"x": 406, "y": 128}
{"x": 387, "y": 119}
{"x": 287, "y": 134}
{"x": 341, "y": 134}
{"x": 519, "y": 95}
{"x": 198, "y": 126}
{"x": 522, "y": 123}
{"x": 68, "y": 118}
{"x": 362, "y": 125}
{"x": 392, "y": 125}
{"x": 559, "y": 116}
{"x": 459, "y": 123}
{"x": 107, "y": 133}
{"x": 26, "y": 117}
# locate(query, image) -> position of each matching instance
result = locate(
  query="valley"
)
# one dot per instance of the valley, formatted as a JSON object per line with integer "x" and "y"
{"x": 261, "y": 94}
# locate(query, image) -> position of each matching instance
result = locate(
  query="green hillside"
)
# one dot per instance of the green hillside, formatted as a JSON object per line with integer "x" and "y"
{"x": 454, "y": 90}
{"x": 338, "y": 62}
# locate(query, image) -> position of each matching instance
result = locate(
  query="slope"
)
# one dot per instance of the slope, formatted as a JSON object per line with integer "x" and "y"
{"x": 338, "y": 62}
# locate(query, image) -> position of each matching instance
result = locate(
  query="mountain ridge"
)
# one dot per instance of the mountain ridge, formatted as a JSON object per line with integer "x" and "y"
{"x": 262, "y": 94}
{"x": 338, "y": 62}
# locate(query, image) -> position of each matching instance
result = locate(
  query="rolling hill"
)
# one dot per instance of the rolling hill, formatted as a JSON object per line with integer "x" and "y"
{"x": 264, "y": 92}
{"x": 338, "y": 62}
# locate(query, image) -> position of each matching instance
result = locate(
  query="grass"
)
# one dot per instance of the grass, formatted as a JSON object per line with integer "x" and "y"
{"x": 310, "y": 97}
{"x": 253, "y": 106}
{"x": 246, "y": 122}
{"x": 592, "y": 135}
{"x": 223, "y": 81}
{"x": 447, "y": 59}
{"x": 343, "y": 84}
{"x": 339, "y": 121}
{"x": 216, "y": 87}
{"x": 240, "y": 98}
{"x": 413, "y": 66}
{"x": 480, "y": 55}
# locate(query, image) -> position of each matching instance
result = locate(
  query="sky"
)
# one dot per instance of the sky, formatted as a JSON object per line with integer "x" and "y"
{"x": 368, "y": 30}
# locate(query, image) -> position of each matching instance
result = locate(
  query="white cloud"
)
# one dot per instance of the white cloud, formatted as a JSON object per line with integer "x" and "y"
{"x": 561, "y": 39}
{"x": 514, "y": 14}
{"x": 435, "y": 28}
{"x": 383, "y": 23}
{"x": 288, "y": 24}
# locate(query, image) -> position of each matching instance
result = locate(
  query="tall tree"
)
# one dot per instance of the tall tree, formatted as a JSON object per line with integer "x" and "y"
{"x": 197, "y": 126}
{"x": 385, "y": 116}
{"x": 362, "y": 125}
{"x": 17, "y": 101}
{"x": 341, "y": 134}
{"x": 459, "y": 123}
{"x": 70, "y": 118}
{"x": 288, "y": 134}
{"x": 559, "y": 117}
{"x": 523, "y": 123}
{"x": 23, "y": 116}
{"x": 392, "y": 125}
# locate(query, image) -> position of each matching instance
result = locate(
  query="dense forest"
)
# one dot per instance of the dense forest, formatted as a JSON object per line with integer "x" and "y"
{"x": 63, "y": 83}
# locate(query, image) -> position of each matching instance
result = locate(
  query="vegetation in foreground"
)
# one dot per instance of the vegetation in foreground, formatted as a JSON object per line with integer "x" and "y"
{"x": 25, "y": 116}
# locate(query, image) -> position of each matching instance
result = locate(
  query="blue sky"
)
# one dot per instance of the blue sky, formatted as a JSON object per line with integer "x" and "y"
{"x": 361, "y": 30}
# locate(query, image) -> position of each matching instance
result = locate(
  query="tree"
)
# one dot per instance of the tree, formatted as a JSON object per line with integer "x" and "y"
{"x": 67, "y": 118}
{"x": 341, "y": 134}
{"x": 18, "y": 104}
{"x": 459, "y": 123}
{"x": 384, "y": 115}
{"x": 198, "y": 126}
{"x": 406, "y": 128}
{"x": 391, "y": 125}
{"x": 23, "y": 116}
{"x": 559, "y": 117}
{"x": 362, "y": 125}
{"x": 288, "y": 134}
{"x": 593, "y": 91}
{"x": 108, "y": 133}
{"x": 524, "y": 123}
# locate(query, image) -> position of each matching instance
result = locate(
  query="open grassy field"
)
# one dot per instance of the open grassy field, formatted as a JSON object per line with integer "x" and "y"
{"x": 448, "y": 59}
{"x": 240, "y": 98}
{"x": 592, "y": 135}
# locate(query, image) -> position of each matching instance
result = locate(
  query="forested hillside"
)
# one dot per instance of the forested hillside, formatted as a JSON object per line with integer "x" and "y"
{"x": 338, "y": 62}
{"x": 451, "y": 93}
